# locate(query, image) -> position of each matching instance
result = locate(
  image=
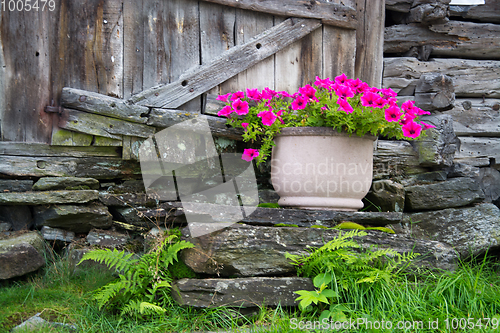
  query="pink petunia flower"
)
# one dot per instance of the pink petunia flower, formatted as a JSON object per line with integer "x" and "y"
{"x": 407, "y": 118}
{"x": 225, "y": 111}
{"x": 380, "y": 103}
{"x": 249, "y": 154}
{"x": 308, "y": 92}
{"x": 426, "y": 126}
{"x": 254, "y": 94}
{"x": 244, "y": 125}
{"x": 342, "y": 79}
{"x": 344, "y": 105}
{"x": 223, "y": 98}
{"x": 268, "y": 93}
{"x": 393, "y": 113}
{"x": 343, "y": 91}
{"x": 268, "y": 117}
{"x": 237, "y": 95}
{"x": 388, "y": 92}
{"x": 323, "y": 83}
{"x": 299, "y": 103}
{"x": 369, "y": 99}
{"x": 411, "y": 129}
{"x": 241, "y": 107}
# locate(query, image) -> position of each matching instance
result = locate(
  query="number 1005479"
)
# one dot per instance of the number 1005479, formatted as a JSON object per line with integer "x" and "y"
{"x": 27, "y": 5}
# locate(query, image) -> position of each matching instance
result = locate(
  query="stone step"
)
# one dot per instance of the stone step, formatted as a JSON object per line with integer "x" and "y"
{"x": 240, "y": 292}
{"x": 244, "y": 250}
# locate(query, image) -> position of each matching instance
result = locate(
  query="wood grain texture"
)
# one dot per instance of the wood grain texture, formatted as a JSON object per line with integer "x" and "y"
{"x": 133, "y": 47}
{"x": 476, "y": 117}
{"x": 41, "y": 149}
{"x": 62, "y": 137}
{"x": 299, "y": 63}
{"x": 339, "y": 52}
{"x": 93, "y": 124}
{"x": 329, "y": 13}
{"x": 164, "y": 118}
{"x": 472, "y": 147}
{"x": 488, "y": 13}
{"x": 453, "y": 39}
{"x": 472, "y": 78}
{"x": 232, "y": 62}
{"x": 369, "y": 44}
{"x": 101, "y": 104}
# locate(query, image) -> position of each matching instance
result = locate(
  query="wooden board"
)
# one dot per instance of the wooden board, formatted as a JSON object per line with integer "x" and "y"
{"x": 327, "y": 12}
{"x": 489, "y": 12}
{"x": 476, "y": 117}
{"x": 472, "y": 78}
{"x": 453, "y": 39}
{"x": 41, "y": 149}
{"x": 164, "y": 118}
{"x": 472, "y": 147}
{"x": 112, "y": 128}
{"x": 339, "y": 52}
{"x": 249, "y": 24}
{"x": 95, "y": 167}
{"x": 369, "y": 45}
{"x": 232, "y": 62}
{"x": 92, "y": 102}
{"x": 62, "y": 137}
{"x": 133, "y": 47}
{"x": 299, "y": 63}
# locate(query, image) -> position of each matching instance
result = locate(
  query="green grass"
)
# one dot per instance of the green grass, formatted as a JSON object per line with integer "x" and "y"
{"x": 473, "y": 291}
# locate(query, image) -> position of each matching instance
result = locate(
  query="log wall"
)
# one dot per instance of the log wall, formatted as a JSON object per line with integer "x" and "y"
{"x": 461, "y": 43}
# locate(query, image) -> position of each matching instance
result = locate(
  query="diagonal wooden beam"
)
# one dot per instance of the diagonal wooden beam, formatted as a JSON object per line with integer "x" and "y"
{"x": 328, "y": 12}
{"x": 230, "y": 63}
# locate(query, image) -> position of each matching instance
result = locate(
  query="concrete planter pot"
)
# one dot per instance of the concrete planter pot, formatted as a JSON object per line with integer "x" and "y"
{"x": 319, "y": 168}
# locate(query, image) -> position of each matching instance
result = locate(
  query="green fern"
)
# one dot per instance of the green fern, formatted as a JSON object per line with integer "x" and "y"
{"x": 142, "y": 286}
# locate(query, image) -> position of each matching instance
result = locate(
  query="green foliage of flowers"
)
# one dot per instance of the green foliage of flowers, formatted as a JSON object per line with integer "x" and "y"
{"x": 343, "y": 104}
{"x": 143, "y": 285}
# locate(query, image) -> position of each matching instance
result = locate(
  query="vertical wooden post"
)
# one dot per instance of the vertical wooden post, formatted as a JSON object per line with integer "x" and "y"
{"x": 370, "y": 41}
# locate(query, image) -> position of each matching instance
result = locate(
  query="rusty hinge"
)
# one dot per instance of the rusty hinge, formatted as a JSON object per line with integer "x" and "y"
{"x": 53, "y": 109}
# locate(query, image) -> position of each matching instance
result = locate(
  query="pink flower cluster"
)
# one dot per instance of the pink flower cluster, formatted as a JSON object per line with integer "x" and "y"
{"x": 343, "y": 94}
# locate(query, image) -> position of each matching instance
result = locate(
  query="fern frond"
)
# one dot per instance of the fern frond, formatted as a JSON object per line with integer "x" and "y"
{"x": 118, "y": 260}
{"x": 169, "y": 256}
{"x": 150, "y": 308}
{"x": 108, "y": 292}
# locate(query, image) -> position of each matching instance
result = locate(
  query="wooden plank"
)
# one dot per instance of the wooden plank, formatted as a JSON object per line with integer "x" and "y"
{"x": 339, "y": 51}
{"x": 370, "y": 41}
{"x": 476, "y": 117}
{"x": 127, "y": 148}
{"x": 249, "y": 24}
{"x": 218, "y": 34}
{"x": 89, "y": 123}
{"x": 94, "y": 167}
{"x": 489, "y": 12}
{"x": 133, "y": 47}
{"x": 62, "y": 137}
{"x": 164, "y": 118}
{"x": 232, "y": 62}
{"x": 472, "y": 147}
{"x": 453, "y": 39}
{"x": 41, "y": 149}
{"x": 26, "y": 49}
{"x": 101, "y": 141}
{"x": 103, "y": 105}
{"x": 299, "y": 63}
{"x": 472, "y": 78}
{"x": 109, "y": 48}
{"x": 183, "y": 28}
{"x": 327, "y": 12}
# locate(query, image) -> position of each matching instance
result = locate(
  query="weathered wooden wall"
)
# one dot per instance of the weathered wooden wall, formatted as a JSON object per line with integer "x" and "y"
{"x": 460, "y": 44}
{"x": 121, "y": 48}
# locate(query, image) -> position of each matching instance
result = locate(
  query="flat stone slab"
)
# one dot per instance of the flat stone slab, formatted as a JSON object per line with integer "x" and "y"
{"x": 107, "y": 239}
{"x": 52, "y": 234}
{"x": 21, "y": 254}
{"x": 14, "y": 185}
{"x": 243, "y": 250}
{"x": 66, "y": 183}
{"x": 470, "y": 230}
{"x": 455, "y": 192}
{"x": 78, "y": 219}
{"x": 48, "y": 197}
{"x": 240, "y": 292}
{"x": 126, "y": 199}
